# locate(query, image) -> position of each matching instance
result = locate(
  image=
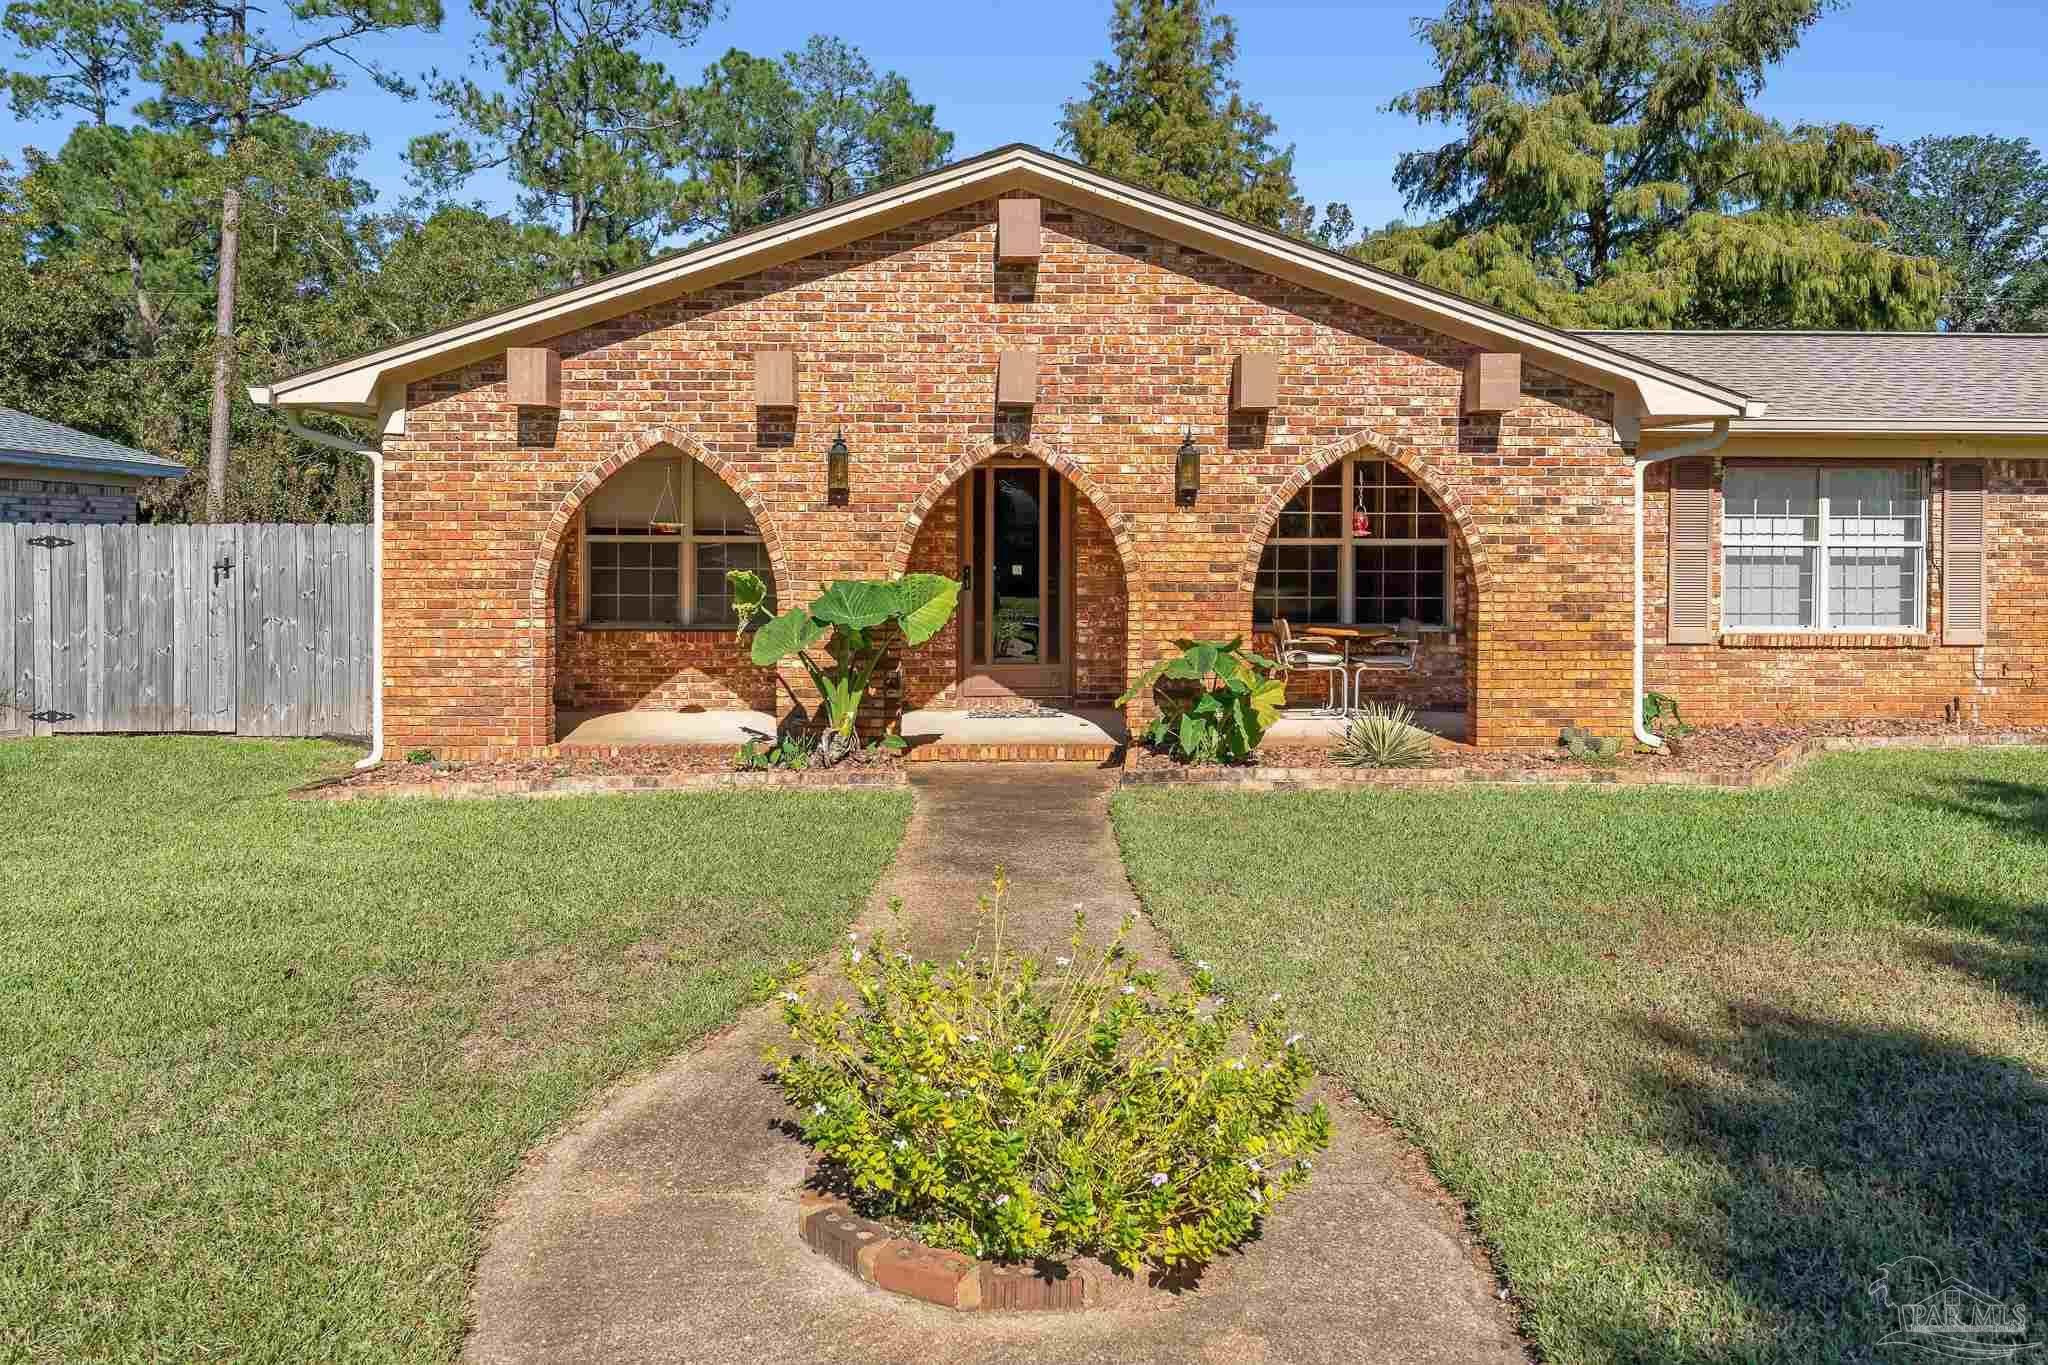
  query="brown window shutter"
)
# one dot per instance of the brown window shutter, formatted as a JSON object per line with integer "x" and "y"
{"x": 1962, "y": 557}
{"x": 1688, "y": 616}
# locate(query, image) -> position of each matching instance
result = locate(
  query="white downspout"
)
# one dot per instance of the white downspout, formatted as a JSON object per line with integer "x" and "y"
{"x": 1684, "y": 450}
{"x": 376, "y": 459}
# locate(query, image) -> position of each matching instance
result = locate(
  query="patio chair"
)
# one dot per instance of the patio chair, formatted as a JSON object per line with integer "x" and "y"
{"x": 1315, "y": 654}
{"x": 1395, "y": 652}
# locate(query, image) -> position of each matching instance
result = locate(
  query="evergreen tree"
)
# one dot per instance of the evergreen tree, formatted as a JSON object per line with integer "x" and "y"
{"x": 586, "y": 125}
{"x": 766, "y": 138}
{"x": 1164, "y": 111}
{"x": 1609, "y": 169}
{"x": 1979, "y": 205}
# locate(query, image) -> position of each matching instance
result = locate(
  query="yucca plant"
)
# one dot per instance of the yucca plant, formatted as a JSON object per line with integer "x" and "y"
{"x": 1384, "y": 736}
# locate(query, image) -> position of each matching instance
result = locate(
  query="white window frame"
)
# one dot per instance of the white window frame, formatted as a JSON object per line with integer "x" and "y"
{"x": 1347, "y": 573}
{"x": 686, "y": 537}
{"x": 1824, "y": 548}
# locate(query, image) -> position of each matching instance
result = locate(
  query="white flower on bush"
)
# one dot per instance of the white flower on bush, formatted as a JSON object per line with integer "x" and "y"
{"x": 1258, "y": 1196}
{"x": 971, "y": 1037}
{"x": 902, "y": 956}
{"x": 1254, "y": 1164}
{"x": 1273, "y": 999}
{"x": 1237, "y": 1065}
{"x": 901, "y": 1143}
{"x": 1306, "y": 1164}
{"x": 1200, "y": 965}
{"x": 1130, "y": 990}
{"x": 817, "y": 1109}
{"x": 1293, "y": 1038}
{"x": 1001, "y": 1200}
{"x": 856, "y": 954}
{"x": 853, "y": 938}
{"x": 1158, "y": 1179}
{"x": 792, "y": 997}
{"x": 1063, "y": 962}
{"x": 1018, "y": 1049}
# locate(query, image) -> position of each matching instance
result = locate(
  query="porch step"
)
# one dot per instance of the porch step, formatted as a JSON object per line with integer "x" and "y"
{"x": 949, "y": 751}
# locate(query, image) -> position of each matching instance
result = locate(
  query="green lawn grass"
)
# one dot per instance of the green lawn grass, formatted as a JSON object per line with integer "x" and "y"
{"x": 266, "y": 1065}
{"x": 1699, "y": 1064}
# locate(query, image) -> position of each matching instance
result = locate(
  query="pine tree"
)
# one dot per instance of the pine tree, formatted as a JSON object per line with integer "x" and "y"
{"x": 1164, "y": 111}
{"x": 1609, "y": 169}
{"x": 585, "y": 125}
{"x": 769, "y": 138}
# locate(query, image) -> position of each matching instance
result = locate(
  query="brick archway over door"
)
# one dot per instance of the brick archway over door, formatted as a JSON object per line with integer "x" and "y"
{"x": 985, "y": 448}
{"x": 540, "y": 598}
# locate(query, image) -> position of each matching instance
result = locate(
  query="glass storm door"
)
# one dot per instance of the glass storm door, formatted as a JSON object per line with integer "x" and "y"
{"x": 1016, "y": 567}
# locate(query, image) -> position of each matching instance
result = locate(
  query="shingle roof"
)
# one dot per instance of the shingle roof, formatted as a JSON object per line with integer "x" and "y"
{"x": 31, "y": 440}
{"x": 1910, "y": 379}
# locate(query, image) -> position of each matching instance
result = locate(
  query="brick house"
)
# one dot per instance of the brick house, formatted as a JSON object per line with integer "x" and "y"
{"x": 1022, "y": 361}
{"x": 50, "y": 472}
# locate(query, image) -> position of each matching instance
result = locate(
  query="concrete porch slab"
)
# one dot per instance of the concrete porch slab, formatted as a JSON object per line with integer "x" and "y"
{"x": 1081, "y": 725}
{"x": 1305, "y": 727}
{"x": 614, "y": 728}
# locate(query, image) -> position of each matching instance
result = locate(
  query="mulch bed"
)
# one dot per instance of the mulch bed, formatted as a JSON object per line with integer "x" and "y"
{"x": 1731, "y": 755}
{"x": 624, "y": 769}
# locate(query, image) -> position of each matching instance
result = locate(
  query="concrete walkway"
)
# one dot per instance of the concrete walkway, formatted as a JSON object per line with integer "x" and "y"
{"x": 664, "y": 1228}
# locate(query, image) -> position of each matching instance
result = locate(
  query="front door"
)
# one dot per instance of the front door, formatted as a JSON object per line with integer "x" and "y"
{"x": 1017, "y": 564}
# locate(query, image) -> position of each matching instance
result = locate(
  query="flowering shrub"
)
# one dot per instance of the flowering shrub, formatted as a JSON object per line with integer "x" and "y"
{"x": 1009, "y": 1110}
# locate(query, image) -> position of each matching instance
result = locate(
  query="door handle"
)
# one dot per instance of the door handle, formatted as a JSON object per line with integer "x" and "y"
{"x": 967, "y": 578}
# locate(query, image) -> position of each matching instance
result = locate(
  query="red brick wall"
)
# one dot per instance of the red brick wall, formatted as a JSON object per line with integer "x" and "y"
{"x": 896, "y": 338}
{"x": 608, "y": 669}
{"x": 1765, "y": 679}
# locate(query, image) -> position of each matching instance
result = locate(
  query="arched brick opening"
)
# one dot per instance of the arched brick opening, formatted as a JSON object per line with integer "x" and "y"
{"x": 549, "y": 558}
{"x": 1104, "y": 570}
{"x": 1466, "y": 544}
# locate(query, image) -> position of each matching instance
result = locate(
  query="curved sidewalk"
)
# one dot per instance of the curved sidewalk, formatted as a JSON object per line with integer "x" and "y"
{"x": 664, "y": 1227}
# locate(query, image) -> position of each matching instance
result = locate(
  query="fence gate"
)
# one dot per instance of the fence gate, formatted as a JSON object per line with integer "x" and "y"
{"x": 251, "y": 629}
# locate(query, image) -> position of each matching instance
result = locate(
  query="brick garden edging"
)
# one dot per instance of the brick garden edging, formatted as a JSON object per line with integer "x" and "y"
{"x": 1768, "y": 773}
{"x": 948, "y": 1279}
{"x": 340, "y": 789}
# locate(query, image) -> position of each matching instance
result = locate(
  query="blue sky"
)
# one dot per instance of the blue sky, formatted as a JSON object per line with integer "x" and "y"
{"x": 998, "y": 71}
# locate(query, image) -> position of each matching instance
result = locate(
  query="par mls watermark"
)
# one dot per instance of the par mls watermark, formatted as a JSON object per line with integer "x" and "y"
{"x": 1943, "y": 1318}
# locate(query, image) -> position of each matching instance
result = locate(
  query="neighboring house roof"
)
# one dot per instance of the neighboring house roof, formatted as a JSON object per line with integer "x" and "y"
{"x": 33, "y": 441}
{"x": 368, "y": 384}
{"x": 1891, "y": 382}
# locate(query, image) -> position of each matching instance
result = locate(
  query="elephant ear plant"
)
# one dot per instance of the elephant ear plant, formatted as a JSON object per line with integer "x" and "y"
{"x": 1217, "y": 703}
{"x": 857, "y": 621}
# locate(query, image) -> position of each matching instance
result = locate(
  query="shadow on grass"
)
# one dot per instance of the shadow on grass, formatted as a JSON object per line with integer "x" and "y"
{"x": 1824, "y": 1152}
{"x": 2012, "y": 809}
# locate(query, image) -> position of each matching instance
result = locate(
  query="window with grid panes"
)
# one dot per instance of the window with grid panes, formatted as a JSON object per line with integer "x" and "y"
{"x": 1823, "y": 547}
{"x": 1362, "y": 544}
{"x": 658, "y": 539}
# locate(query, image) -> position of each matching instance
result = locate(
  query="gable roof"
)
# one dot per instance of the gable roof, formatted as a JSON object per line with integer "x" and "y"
{"x": 363, "y": 384}
{"x": 1903, "y": 382}
{"x": 25, "y": 439}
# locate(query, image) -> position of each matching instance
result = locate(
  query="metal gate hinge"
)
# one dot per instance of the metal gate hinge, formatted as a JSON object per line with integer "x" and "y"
{"x": 51, "y": 717}
{"x": 50, "y": 542}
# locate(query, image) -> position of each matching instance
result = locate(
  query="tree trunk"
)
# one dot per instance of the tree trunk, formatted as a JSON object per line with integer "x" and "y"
{"x": 223, "y": 351}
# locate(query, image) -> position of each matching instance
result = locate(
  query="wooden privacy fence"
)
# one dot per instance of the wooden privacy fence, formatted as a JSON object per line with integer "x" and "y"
{"x": 235, "y": 629}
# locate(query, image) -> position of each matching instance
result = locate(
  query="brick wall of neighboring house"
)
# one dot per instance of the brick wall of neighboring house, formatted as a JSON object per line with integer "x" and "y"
{"x": 896, "y": 337}
{"x": 37, "y": 499}
{"x": 1758, "y": 678}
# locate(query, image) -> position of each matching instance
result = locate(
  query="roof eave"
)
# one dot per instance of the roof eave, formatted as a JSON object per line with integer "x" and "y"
{"x": 1829, "y": 426}
{"x": 353, "y": 386}
{"x": 93, "y": 464}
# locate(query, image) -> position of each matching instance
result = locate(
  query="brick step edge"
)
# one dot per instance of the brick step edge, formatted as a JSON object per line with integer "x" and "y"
{"x": 948, "y": 1279}
{"x": 1769, "y": 772}
{"x": 625, "y": 784}
{"x": 947, "y": 751}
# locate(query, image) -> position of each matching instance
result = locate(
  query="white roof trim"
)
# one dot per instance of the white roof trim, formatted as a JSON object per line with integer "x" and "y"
{"x": 1833, "y": 426}
{"x": 352, "y": 386}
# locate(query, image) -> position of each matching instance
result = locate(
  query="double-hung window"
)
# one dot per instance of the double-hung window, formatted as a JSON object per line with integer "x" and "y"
{"x": 1824, "y": 547}
{"x": 658, "y": 538}
{"x": 1362, "y": 544}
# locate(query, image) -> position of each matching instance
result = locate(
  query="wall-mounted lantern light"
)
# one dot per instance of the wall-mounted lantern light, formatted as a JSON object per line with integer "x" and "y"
{"x": 838, "y": 479}
{"x": 1187, "y": 471}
